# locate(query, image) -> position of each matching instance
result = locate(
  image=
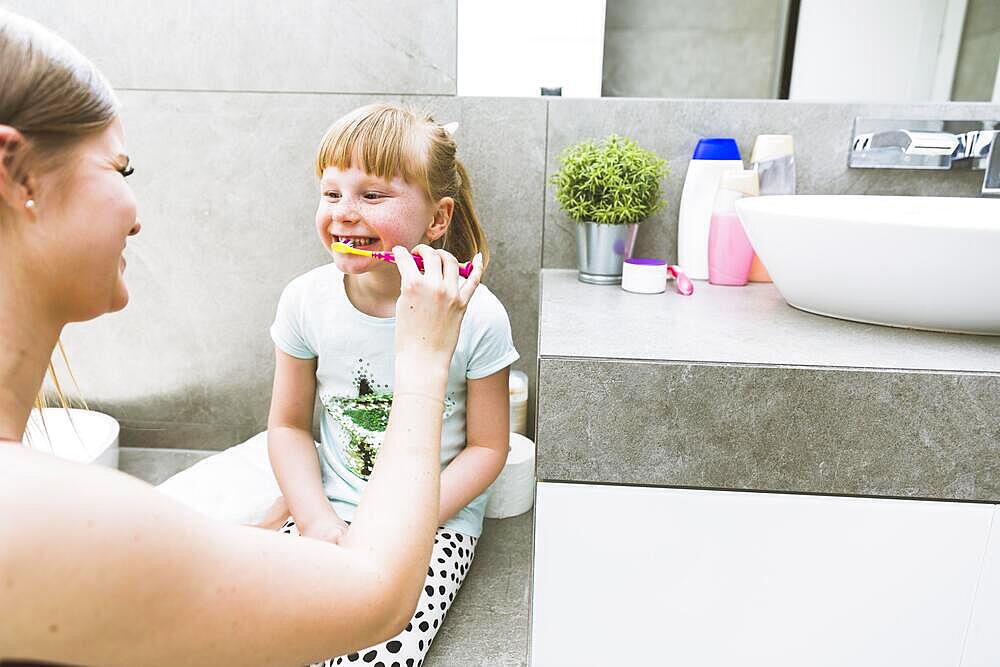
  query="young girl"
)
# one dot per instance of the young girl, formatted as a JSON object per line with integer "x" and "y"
{"x": 388, "y": 177}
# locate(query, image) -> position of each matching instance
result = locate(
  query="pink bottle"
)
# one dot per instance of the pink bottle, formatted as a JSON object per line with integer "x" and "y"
{"x": 729, "y": 251}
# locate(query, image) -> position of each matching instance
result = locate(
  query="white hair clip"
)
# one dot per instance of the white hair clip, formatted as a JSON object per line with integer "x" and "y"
{"x": 450, "y": 128}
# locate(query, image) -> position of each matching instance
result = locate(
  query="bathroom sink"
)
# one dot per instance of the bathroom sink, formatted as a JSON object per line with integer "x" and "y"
{"x": 918, "y": 262}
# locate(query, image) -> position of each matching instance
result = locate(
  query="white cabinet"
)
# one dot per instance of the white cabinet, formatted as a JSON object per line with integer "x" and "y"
{"x": 982, "y": 648}
{"x": 632, "y": 575}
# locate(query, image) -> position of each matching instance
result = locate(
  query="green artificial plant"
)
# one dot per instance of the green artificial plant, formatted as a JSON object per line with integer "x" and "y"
{"x": 615, "y": 182}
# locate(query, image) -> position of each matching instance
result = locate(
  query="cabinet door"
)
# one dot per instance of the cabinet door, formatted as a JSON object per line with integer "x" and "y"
{"x": 982, "y": 648}
{"x": 631, "y": 575}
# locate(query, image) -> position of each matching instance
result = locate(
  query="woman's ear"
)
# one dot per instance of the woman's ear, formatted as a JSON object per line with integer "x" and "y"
{"x": 14, "y": 192}
{"x": 442, "y": 218}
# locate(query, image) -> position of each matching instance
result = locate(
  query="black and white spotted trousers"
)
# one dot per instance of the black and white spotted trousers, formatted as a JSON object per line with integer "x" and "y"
{"x": 450, "y": 561}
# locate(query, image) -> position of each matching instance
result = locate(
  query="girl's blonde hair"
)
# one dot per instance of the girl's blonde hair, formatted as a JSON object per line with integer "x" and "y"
{"x": 387, "y": 141}
{"x": 55, "y": 98}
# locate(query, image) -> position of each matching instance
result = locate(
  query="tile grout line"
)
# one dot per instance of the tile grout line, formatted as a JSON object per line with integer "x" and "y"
{"x": 545, "y": 171}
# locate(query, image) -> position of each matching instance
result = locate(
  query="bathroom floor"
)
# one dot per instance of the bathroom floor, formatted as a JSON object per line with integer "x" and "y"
{"x": 488, "y": 623}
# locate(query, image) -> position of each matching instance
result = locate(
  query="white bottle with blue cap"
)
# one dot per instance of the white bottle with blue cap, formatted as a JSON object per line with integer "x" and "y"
{"x": 712, "y": 157}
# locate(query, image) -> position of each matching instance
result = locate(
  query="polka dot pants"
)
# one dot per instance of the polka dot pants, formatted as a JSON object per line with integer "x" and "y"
{"x": 450, "y": 561}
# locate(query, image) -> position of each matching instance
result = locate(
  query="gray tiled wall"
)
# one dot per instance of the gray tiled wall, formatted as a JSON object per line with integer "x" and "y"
{"x": 227, "y": 194}
{"x": 822, "y": 133}
{"x": 693, "y": 48}
{"x": 976, "y": 69}
{"x": 227, "y": 197}
{"x": 349, "y": 46}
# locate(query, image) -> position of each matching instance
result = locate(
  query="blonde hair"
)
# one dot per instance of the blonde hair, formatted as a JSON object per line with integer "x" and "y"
{"x": 55, "y": 98}
{"x": 49, "y": 92}
{"x": 386, "y": 141}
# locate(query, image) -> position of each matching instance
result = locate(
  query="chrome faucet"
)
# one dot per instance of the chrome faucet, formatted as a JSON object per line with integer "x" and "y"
{"x": 883, "y": 144}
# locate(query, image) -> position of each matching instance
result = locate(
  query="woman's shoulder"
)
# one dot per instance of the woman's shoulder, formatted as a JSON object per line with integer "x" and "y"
{"x": 18, "y": 463}
{"x": 25, "y": 482}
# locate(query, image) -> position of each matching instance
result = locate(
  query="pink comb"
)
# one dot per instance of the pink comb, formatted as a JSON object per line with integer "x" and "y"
{"x": 684, "y": 284}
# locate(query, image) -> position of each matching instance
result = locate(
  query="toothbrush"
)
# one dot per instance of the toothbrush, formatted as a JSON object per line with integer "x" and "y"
{"x": 463, "y": 270}
{"x": 684, "y": 284}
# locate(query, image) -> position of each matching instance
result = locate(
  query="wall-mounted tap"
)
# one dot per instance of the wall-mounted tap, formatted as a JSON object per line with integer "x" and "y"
{"x": 923, "y": 144}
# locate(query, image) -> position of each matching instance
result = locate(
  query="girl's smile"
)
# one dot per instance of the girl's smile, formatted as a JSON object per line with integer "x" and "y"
{"x": 371, "y": 213}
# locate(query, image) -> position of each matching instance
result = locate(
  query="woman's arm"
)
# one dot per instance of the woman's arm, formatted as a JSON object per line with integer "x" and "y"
{"x": 488, "y": 440}
{"x": 99, "y": 568}
{"x": 290, "y": 444}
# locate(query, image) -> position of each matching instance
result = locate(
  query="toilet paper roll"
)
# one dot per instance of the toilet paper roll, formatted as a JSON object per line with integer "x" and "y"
{"x": 519, "y": 402}
{"x": 514, "y": 490}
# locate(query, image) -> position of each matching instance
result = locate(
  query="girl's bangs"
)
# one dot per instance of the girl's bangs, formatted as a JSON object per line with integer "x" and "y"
{"x": 382, "y": 144}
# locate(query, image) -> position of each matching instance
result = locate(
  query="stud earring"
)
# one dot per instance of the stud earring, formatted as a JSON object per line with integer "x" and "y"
{"x": 30, "y": 204}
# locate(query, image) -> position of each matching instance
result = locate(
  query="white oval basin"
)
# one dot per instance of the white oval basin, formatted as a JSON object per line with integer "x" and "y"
{"x": 77, "y": 435}
{"x": 918, "y": 262}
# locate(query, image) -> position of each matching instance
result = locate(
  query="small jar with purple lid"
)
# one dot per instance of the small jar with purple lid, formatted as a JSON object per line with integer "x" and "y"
{"x": 644, "y": 275}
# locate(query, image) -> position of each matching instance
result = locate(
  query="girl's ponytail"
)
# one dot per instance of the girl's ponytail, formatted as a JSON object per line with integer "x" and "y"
{"x": 465, "y": 236}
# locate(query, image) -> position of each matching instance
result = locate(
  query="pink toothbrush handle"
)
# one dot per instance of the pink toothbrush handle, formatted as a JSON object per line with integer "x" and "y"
{"x": 463, "y": 270}
{"x": 684, "y": 284}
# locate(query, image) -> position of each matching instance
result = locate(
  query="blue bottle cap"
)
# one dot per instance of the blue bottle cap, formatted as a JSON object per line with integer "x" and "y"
{"x": 716, "y": 148}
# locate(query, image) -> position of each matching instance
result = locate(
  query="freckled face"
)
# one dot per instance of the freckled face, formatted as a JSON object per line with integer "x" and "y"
{"x": 372, "y": 213}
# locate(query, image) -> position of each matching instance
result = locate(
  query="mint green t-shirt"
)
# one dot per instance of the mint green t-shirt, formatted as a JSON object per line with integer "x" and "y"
{"x": 354, "y": 373}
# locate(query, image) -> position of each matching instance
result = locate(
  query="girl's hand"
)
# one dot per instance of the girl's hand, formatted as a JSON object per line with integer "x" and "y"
{"x": 431, "y": 305}
{"x": 276, "y": 515}
{"x": 330, "y": 528}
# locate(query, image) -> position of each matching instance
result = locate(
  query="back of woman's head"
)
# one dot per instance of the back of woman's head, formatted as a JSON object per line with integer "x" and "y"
{"x": 49, "y": 92}
{"x": 387, "y": 141}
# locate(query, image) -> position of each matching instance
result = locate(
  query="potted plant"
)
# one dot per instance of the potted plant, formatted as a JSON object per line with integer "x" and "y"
{"x": 608, "y": 188}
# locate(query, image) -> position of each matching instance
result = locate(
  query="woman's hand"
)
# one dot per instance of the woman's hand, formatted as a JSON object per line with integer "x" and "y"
{"x": 330, "y": 528}
{"x": 431, "y": 305}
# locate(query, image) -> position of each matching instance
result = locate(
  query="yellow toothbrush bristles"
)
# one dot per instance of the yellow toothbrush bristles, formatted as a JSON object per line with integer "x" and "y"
{"x": 337, "y": 246}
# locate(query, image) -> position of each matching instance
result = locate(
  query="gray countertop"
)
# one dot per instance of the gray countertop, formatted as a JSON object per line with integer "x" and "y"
{"x": 736, "y": 325}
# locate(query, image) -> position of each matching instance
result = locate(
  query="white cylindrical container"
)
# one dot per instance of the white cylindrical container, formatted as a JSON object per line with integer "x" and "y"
{"x": 644, "y": 275}
{"x": 773, "y": 158}
{"x": 730, "y": 254}
{"x": 518, "y": 402}
{"x": 83, "y": 436}
{"x": 712, "y": 157}
{"x": 513, "y": 492}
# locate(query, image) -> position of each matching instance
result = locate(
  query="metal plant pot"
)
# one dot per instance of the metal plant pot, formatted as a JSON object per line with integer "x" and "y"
{"x": 601, "y": 250}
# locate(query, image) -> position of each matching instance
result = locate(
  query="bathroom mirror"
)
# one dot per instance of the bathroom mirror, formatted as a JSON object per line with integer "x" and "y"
{"x": 817, "y": 50}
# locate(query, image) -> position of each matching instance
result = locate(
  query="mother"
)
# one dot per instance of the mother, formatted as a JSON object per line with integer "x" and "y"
{"x": 99, "y": 568}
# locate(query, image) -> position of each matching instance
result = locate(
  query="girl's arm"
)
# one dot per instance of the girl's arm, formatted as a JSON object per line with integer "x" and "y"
{"x": 488, "y": 439}
{"x": 291, "y": 449}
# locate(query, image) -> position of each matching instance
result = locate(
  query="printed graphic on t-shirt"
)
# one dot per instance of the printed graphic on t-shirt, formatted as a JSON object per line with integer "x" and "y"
{"x": 363, "y": 419}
